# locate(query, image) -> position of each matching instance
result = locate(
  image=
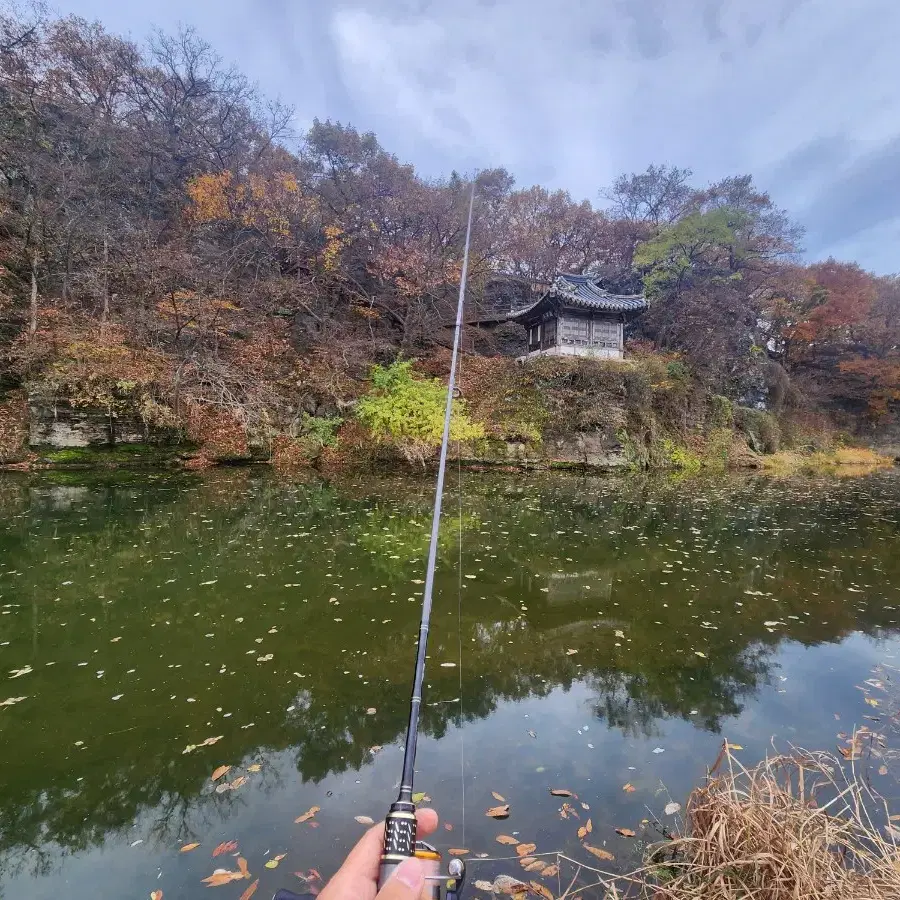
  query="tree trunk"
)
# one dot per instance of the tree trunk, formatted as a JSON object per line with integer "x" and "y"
{"x": 33, "y": 318}
{"x": 104, "y": 316}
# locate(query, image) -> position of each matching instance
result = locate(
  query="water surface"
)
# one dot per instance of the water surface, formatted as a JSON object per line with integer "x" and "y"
{"x": 612, "y": 633}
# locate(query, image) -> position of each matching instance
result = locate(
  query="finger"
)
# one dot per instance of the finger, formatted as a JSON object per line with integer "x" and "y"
{"x": 406, "y": 883}
{"x": 358, "y": 875}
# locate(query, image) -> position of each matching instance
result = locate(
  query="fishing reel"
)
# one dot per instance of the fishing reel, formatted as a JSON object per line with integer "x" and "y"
{"x": 400, "y": 838}
{"x": 452, "y": 882}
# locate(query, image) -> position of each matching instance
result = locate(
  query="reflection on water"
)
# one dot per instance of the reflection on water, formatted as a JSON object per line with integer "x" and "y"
{"x": 602, "y": 620}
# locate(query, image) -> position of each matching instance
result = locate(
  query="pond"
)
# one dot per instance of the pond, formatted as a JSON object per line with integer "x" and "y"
{"x": 605, "y": 637}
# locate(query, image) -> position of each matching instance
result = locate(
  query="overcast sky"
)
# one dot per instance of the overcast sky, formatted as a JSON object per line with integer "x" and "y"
{"x": 803, "y": 94}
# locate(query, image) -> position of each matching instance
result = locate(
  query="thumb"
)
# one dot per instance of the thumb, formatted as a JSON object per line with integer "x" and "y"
{"x": 406, "y": 883}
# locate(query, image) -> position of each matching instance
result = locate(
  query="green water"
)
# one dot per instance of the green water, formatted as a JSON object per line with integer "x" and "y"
{"x": 613, "y": 632}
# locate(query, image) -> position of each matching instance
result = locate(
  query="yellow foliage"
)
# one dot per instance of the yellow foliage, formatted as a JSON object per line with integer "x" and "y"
{"x": 334, "y": 243}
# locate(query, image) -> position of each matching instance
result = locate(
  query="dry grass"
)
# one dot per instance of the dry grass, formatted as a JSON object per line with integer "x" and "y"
{"x": 840, "y": 461}
{"x": 796, "y": 827}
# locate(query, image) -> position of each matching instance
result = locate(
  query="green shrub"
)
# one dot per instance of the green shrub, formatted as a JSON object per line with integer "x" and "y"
{"x": 761, "y": 428}
{"x": 721, "y": 412}
{"x": 408, "y": 412}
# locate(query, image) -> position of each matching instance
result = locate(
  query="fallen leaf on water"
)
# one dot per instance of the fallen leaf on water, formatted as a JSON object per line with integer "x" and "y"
{"x": 273, "y": 862}
{"x": 223, "y": 787}
{"x": 156, "y": 895}
{"x": 457, "y": 851}
{"x": 222, "y": 876}
{"x": 240, "y": 780}
{"x": 371, "y": 711}
{"x": 550, "y": 871}
{"x": 561, "y": 792}
{"x": 256, "y": 767}
{"x": 421, "y": 797}
{"x": 625, "y": 832}
{"x": 507, "y": 839}
{"x": 207, "y": 743}
{"x": 734, "y": 746}
{"x": 571, "y": 652}
{"x": 250, "y": 890}
{"x": 526, "y": 849}
{"x": 531, "y": 733}
{"x": 542, "y": 891}
{"x": 364, "y": 820}
{"x": 672, "y": 808}
{"x": 585, "y": 830}
{"x": 188, "y": 847}
{"x": 222, "y": 770}
{"x": 882, "y": 770}
{"x": 498, "y": 812}
{"x": 700, "y": 654}
{"x": 871, "y": 701}
{"x": 307, "y": 815}
{"x": 629, "y": 788}
{"x": 225, "y": 847}
{"x": 242, "y": 867}
{"x": 483, "y": 885}
{"x": 536, "y": 865}
{"x": 498, "y": 797}
{"x": 598, "y": 852}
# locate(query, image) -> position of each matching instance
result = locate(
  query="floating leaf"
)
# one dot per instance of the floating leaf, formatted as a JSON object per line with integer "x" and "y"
{"x": 225, "y": 847}
{"x": 598, "y": 852}
{"x": 550, "y": 871}
{"x": 421, "y": 797}
{"x": 498, "y": 797}
{"x": 222, "y": 770}
{"x": 156, "y": 895}
{"x": 242, "y": 867}
{"x": 526, "y": 849}
{"x": 507, "y": 839}
{"x": 250, "y": 890}
{"x": 536, "y": 865}
{"x": 188, "y": 847}
{"x": 625, "y": 832}
{"x": 526, "y": 861}
{"x": 364, "y": 820}
{"x": 222, "y": 876}
{"x": 629, "y": 788}
{"x": 734, "y": 746}
{"x": 307, "y": 815}
{"x": 256, "y": 767}
{"x": 882, "y": 770}
{"x": 457, "y": 851}
{"x": 498, "y": 812}
{"x": 541, "y": 890}
{"x": 371, "y": 711}
{"x": 561, "y": 792}
{"x": 700, "y": 654}
{"x": 273, "y": 862}
{"x": 672, "y": 808}
{"x": 585, "y": 830}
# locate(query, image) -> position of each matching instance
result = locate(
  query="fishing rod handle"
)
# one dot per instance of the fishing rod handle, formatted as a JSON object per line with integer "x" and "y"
{"x": 399, "y": 838}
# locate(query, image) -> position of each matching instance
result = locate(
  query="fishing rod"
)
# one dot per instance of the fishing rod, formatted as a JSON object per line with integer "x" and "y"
{"x": 400, "y": 823}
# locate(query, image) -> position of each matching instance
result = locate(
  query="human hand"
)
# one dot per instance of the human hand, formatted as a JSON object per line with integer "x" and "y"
{"x": 357, "y": 878}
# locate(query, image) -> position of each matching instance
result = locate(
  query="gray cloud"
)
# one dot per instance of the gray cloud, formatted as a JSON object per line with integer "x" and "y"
{"x": 804, "y": 94}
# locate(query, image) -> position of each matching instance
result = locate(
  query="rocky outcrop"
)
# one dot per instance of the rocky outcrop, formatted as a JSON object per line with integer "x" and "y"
{"x": 57, "y": 425}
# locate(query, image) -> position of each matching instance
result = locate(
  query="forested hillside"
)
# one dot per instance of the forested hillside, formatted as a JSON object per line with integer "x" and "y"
{"x": 168, "y": 246}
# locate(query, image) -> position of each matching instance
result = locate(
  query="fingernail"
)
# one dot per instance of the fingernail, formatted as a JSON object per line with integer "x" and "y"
{"x": 410, "y": 873}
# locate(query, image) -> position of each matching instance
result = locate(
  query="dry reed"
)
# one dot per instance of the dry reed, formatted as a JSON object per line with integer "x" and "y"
{"x": 795, "y": 827}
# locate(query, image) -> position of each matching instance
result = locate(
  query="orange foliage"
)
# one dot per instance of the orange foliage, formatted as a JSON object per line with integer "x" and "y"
{"x": 841, "y": 295}
{"x": 269, "y": 203}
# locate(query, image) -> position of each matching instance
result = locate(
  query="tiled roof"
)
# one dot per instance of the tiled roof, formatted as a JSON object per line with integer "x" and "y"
{"x": 584, "y": 292}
